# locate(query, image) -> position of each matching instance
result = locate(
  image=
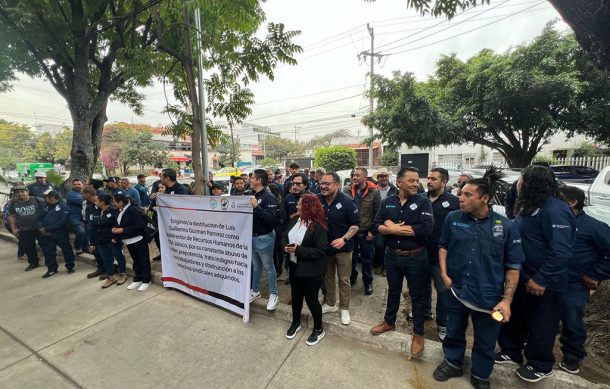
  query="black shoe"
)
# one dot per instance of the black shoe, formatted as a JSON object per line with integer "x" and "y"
{"x": 96, "y": 273}
{"x": 49, "y": 274}
{"x": 103, "y": 277}
{"x": 503, "y": 359}
{"x": 569, "y": 367}
{"x": 115, "y": 268}
{"x": 352, "y": 282}
{"x": 70, "y": 271}
{"x": 530, "y": 374}
{"x": 157, "y": 258}
{"x": 480, "y": 384}
{"x": 315, "y": 337}
{"x": 444, "y": 371}
{"x": 31, "y": 267}
{"x": 292, "y": 331}
{"x": 368, "y": 290}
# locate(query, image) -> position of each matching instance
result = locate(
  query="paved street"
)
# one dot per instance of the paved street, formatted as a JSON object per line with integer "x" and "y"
{"x": 67, "y": 332}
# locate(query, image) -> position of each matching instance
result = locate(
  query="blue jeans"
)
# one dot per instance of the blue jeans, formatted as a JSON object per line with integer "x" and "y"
{"x": 415, "y": 269}
{"x": 117, "y": 253}
{"x": 80, "y": 238}
{"x": 443, "y": 294}
{"x": 262, "y": 258}
{"x": 49, "y": 243}
{"x": 486, "y": 332}
{"x": 366, "y": 249}
{"x": 574, "y": 333}
{"x": 105, "y": 250}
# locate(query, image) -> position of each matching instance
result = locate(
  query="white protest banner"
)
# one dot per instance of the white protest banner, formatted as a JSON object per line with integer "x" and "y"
{"x": 206, "y": 248}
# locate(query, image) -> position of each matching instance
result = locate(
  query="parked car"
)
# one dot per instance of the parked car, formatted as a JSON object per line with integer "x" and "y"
{"x": 574, "y": 173}
{"x": 599, "y": 191}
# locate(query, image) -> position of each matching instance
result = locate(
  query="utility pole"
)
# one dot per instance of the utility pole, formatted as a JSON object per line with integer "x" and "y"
{"x": 295, "y": 134}
{"x": 373, "y": 55}
{"x": 204, "y": 130}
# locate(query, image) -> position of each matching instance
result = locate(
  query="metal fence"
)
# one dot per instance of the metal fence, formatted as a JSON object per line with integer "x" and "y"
{"x": 597, "y": 163}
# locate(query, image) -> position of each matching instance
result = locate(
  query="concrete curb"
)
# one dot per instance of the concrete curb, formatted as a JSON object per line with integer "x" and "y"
{"x": 503, "y": 376}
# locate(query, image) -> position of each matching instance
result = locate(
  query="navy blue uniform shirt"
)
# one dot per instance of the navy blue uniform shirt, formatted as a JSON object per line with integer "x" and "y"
{"x": 35, "y": 189}
{"x": 478, "y": 254}
{"x": 55, "y": 218}
{"x": 441, "y": 207}
{"x": 415, "y": 212}
{"x": 266, "y": 213}
{"x": 177, "y": 189}
{"x": 591, "y": 250}
{"x": 341, "y": 215}
{"x": 290, "y": 206}
{"x": 548, "y": 236}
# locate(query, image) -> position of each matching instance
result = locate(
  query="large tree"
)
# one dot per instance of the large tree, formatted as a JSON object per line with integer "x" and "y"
{"x": 589, "y": 19}
{"x": 88, "y": 50}
{"x": 512, "y": 102}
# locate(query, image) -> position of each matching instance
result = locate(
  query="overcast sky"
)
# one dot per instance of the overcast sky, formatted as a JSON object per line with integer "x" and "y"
{"x": 333, "y": 33}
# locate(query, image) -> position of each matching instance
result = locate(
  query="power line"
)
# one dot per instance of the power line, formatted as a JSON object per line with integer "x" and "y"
{"x": 466, "y": 32}
{"x": 308, "y": 95}
{"x": 304, "y": 108}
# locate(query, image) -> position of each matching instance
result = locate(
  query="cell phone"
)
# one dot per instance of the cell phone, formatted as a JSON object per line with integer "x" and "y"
{"x": 291, "y": 244}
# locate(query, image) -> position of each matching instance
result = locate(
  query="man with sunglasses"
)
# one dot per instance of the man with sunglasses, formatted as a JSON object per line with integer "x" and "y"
{"x": 343, "y": 222}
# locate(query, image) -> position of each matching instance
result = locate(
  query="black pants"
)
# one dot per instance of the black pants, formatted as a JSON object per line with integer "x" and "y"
{"x": 27, "y": 240}
{"x": 306, "y": 287}
{"x": 141, "y": 261}
{"x": 534, "y": 323}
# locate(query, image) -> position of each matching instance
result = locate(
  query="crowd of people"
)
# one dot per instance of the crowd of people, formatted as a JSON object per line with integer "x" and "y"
{"x": 516, "y": 277}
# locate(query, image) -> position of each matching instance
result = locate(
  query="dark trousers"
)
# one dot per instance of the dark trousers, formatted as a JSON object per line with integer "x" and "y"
{"x": 307, "y": 288}
{"x": 366, "y": 249}
{"x": 105, "y": 250}
{"x": 574, "y": 334}
{"x": 81, "y": 241}
{"x": 534, "y": 323}
{"x": 49, "y": 244}
{"x": 117, "y": 253}
{"x": 415, "y": 269}
{"x": 141, "y": 261}
{"x": 379, "y": 243}
{"x": 27, "y": 242}
{"x": 486, "y": 332}
{"x": 443, "y": 295}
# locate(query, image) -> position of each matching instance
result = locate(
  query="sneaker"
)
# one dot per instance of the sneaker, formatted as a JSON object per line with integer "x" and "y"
{"x": 49, "y": 274}
{"x": 292, "y": 331}
{"x": 569, "y": 367}
{"x": 478, "y": 383}
{"x": 503, "y": 359}
{"x": 134, "y": 285}
{"x": 427, "y": 316}
{"x": 273, "y": 301}
{"x": 328, "y": 309}
{"x": 254, "y": 295}
{"x": 109, "y": 282}
{"x": 121, "y": 279}
{"x": 71, "y": 271}
{"x": 530, "y": 374}
{"x": 442, "y": 332}
{"x": 444, "y": 371}
{"x": 143, "y": 286}
{"x": 345, "y": 317}
{"x": 315, "y": 337}
{"x": 96, "y": 273}
{"x": 31, "y": 267}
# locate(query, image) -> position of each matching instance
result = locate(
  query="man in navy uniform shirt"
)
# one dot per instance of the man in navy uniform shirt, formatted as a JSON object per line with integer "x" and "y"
{"x": 300, "y": 184}
{"x": 172, "y": 187}
{"x": 546, "y": 225}
{"x": 480, "y": 256}
{"x": 590, "y": 265}
{"x": 406, "y": 221}
{"x": 54, "y": 232}
{"x": 443, "y": 202}
{"x": 343, "y": 221}
{"x": 41, "y": 185}
{"x": 266, "y": 217}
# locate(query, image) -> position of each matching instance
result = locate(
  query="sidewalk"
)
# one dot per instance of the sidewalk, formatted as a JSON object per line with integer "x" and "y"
{"x": 366, "y": 311}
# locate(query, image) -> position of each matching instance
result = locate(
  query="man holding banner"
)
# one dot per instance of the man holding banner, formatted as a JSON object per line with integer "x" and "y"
{"x": 266, "y": 216}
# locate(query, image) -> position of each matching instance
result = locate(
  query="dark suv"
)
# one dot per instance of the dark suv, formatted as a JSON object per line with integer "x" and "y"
{"x": 573, "y": 173}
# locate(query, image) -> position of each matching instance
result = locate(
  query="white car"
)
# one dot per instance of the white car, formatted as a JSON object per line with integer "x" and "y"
{"x": 599, "y": 191}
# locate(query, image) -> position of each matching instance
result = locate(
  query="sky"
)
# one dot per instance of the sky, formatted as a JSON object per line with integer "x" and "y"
{"x": 324, "y": 92}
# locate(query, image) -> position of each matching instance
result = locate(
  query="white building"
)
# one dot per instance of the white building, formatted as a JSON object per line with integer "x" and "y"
{"x": 52, "y": 129}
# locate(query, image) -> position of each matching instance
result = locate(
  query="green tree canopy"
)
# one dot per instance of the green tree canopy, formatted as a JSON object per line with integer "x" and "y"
{"x": 335, "y": 158}
{"x": 15, "y": 139}
{"x": 280, "y": 148}
{"x": 511, "y": 102}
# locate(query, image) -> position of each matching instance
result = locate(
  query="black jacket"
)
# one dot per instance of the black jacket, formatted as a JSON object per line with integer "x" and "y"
{"x": 132, "y": 223}
{"x": 100, "y": 226}
{"x": 310, "y": 253}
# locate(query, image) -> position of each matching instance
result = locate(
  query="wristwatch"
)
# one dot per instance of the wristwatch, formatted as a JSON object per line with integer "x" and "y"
{"x": 345, "y": 239}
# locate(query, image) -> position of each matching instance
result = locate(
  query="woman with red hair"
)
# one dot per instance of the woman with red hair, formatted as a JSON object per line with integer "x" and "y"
{"x": 305, "y": 241}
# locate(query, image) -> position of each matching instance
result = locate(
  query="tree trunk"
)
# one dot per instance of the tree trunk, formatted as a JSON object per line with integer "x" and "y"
{"x": 83, "y": 155}
{"x": 518, "y": 158}
{"x": 590, "y": 21}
